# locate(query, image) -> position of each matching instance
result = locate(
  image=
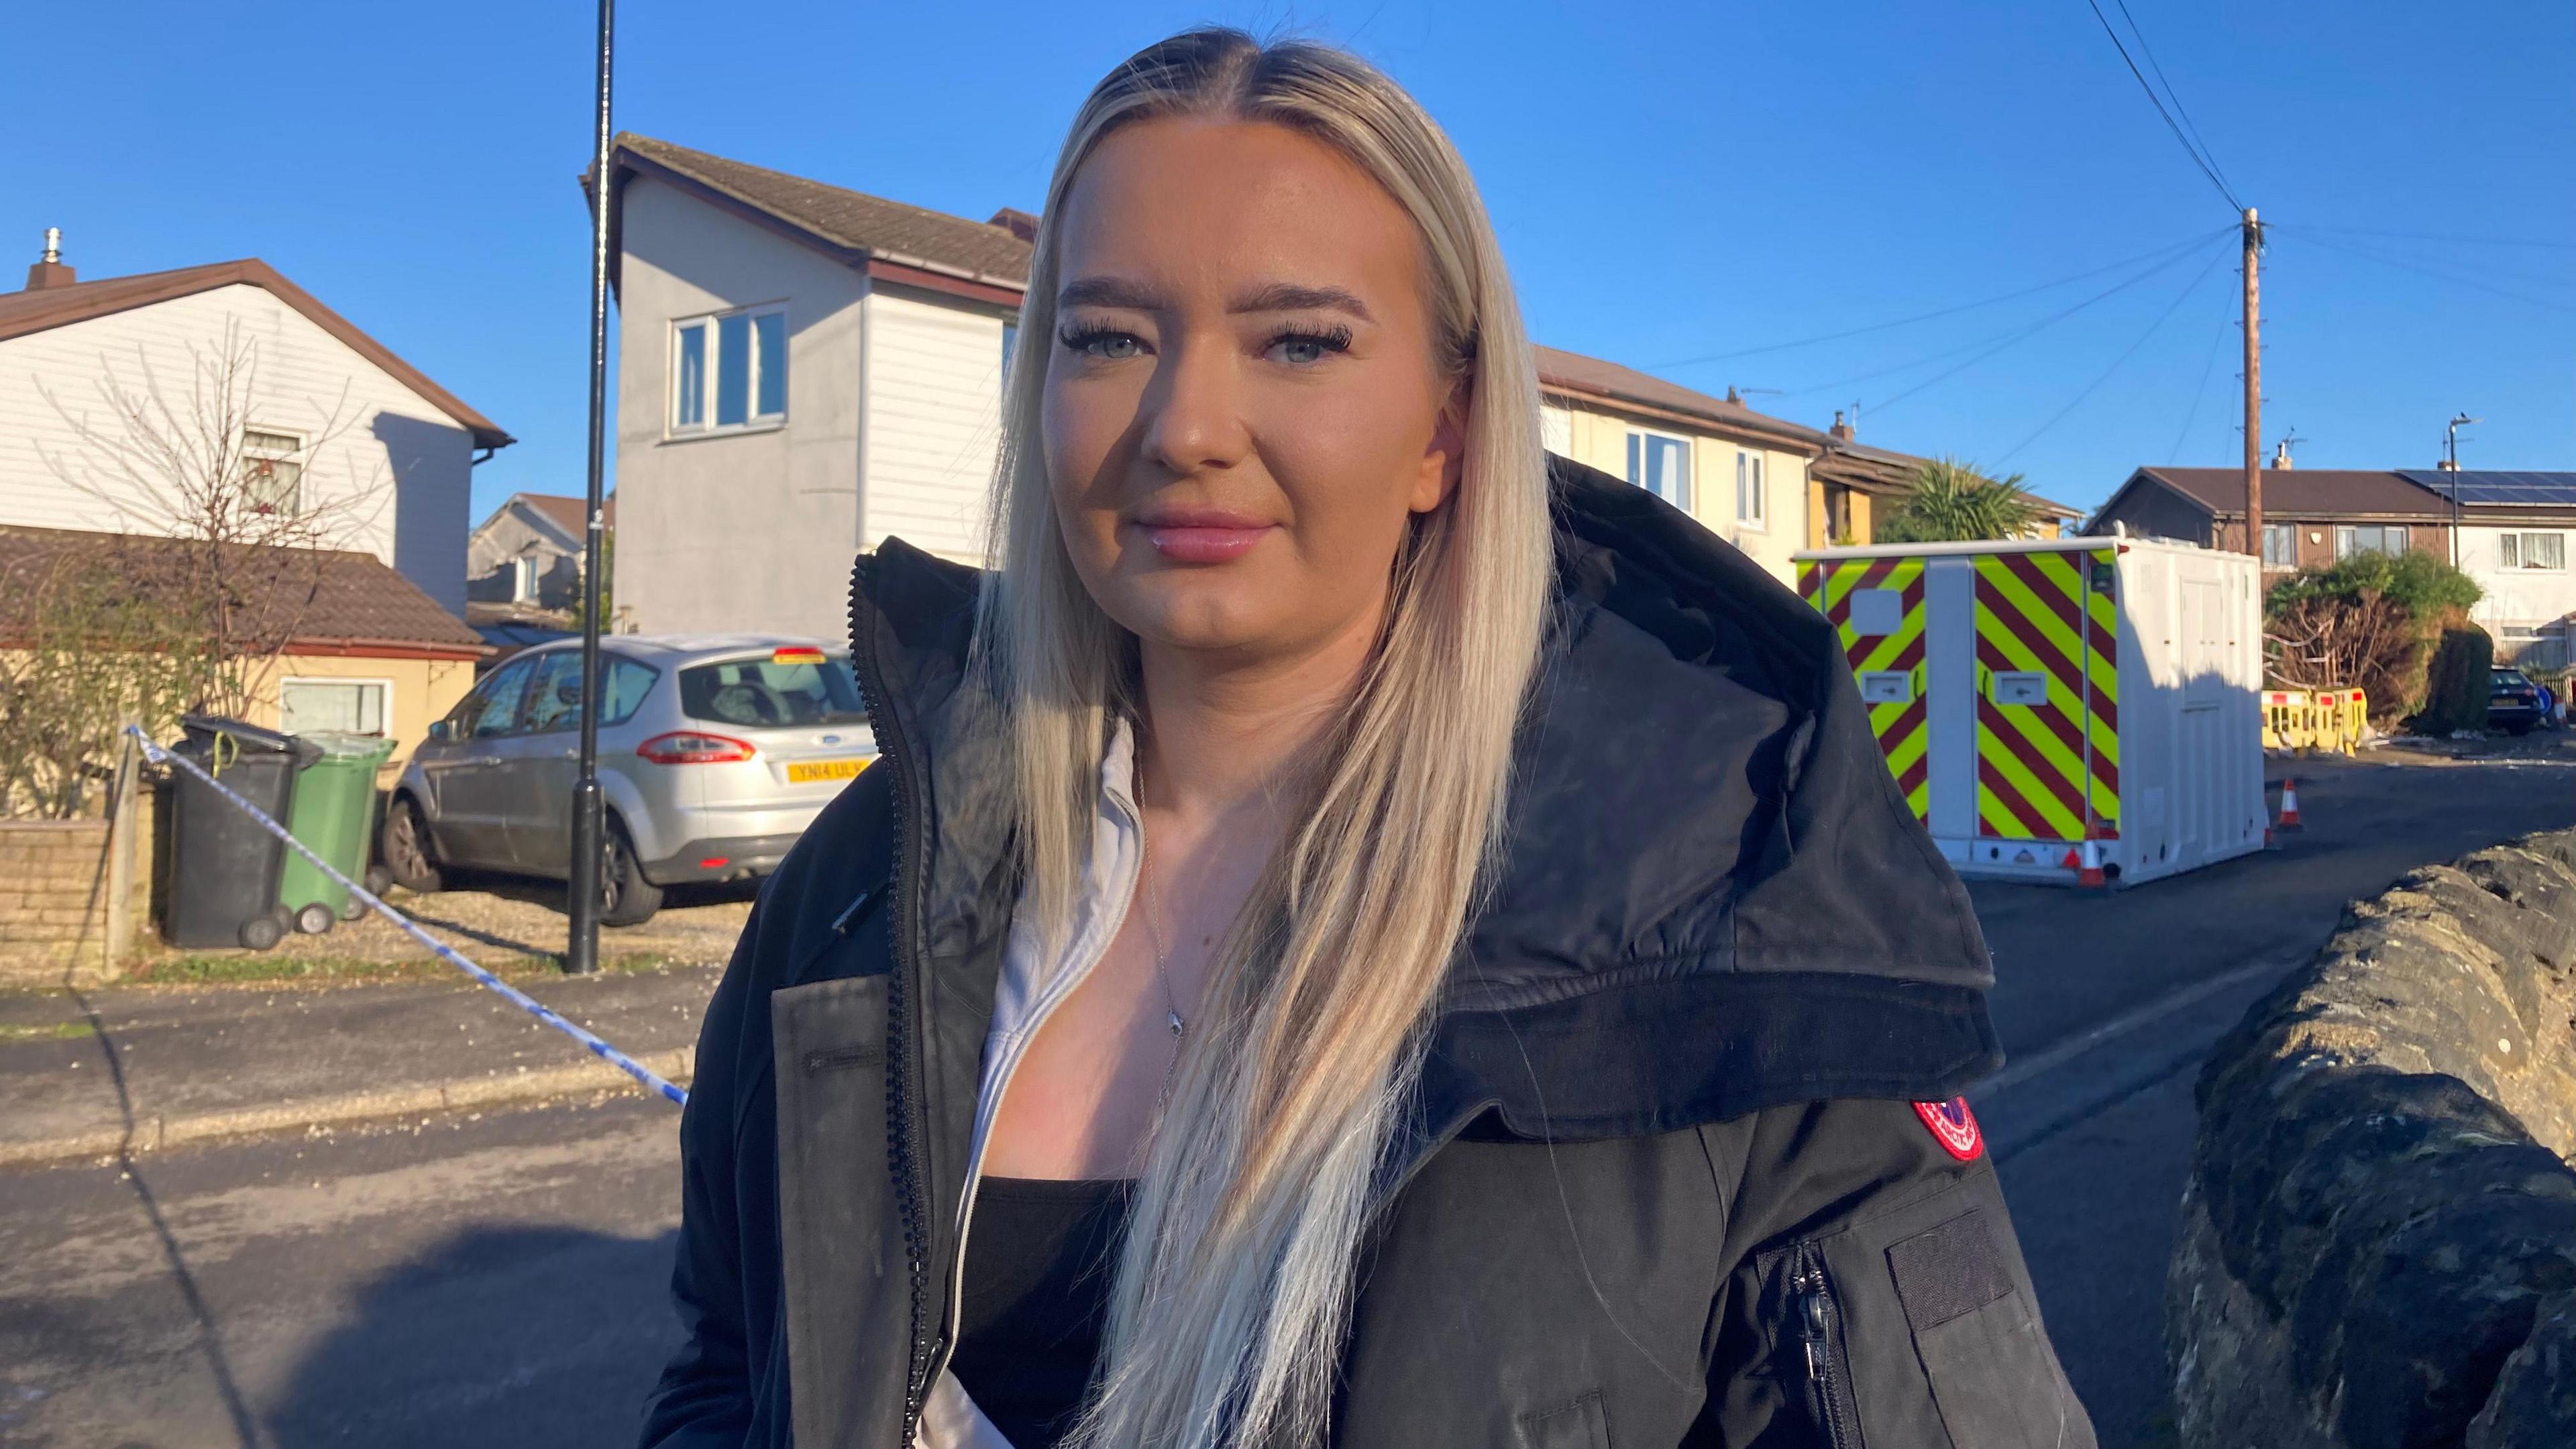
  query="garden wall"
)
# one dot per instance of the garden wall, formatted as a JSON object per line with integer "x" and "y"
{"x": 2378, "y": 1240}
{"x": 53, "y": 894}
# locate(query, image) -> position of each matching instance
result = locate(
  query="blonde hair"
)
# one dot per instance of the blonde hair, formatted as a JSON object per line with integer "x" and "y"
{"x": 1235, "y": 1284}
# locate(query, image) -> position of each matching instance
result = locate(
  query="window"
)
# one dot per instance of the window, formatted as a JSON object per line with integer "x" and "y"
{"x": 2369, "y": 538}
{"x": 351, "y": 706}
{"x": 788, "y": 687}
{"x": 1749, "y": 500}
{"x": 554, "y": 702}
{"x": 1661, "y": 466}
{"x": 734, "y": 363}
{"x": 2532, "y": 550}
{"x": 523, "y": 579}
{"x": 493, "y": 708}
{"x": 1010, "y": 345}
{"x": 272, "y": 479}
{"x": 2281, "y": 544}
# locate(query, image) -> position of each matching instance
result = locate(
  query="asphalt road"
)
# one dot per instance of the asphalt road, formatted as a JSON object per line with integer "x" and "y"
{"x": 498, "y": 1280}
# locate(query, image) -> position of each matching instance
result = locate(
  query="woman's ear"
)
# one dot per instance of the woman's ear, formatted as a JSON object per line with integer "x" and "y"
{"x": 1444, "y": 457}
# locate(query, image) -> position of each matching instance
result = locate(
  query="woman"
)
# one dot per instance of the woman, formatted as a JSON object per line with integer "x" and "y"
{"x": 1359, "y": 935}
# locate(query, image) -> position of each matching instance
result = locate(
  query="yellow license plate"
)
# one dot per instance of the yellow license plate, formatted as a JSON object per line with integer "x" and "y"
{"x": 805, "y": 772}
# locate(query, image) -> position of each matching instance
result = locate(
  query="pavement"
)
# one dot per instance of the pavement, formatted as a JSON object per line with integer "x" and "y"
{"x": 406, "y": 1274}
{"x": 86, "y": 1074}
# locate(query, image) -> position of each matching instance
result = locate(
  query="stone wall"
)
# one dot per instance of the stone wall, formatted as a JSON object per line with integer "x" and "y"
{"x": 2378, "y": 1240}
{"x": 53, "y": 894}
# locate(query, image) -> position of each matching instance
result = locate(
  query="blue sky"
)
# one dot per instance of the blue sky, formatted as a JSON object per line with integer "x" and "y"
{"x": 1671, "y": 181}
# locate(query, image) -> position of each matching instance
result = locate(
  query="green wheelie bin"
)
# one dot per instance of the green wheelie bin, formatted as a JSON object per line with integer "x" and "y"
{"x": 335, "y": 814}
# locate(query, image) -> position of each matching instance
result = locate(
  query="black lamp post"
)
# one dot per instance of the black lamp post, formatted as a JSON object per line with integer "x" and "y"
{"x": 581, "y": 952}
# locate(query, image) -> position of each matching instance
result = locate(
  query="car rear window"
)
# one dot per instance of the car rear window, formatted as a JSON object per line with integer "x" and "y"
{"x": 788, "y": 687}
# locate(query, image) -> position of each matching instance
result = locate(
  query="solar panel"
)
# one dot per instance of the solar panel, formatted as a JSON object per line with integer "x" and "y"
{"x": 2499, "y": 489}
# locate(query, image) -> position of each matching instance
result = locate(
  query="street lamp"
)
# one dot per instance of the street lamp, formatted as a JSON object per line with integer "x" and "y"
{"x": 581, "y": 951}
{"x": 2451, "y": 450}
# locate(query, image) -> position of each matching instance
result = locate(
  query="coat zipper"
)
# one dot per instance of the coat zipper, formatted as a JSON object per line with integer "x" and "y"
{"x": 904, "y": 1128}
{"x": 1820, "y": 1336}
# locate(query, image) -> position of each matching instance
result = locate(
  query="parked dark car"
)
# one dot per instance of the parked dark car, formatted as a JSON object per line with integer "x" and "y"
{"x": 2513, "y": 702}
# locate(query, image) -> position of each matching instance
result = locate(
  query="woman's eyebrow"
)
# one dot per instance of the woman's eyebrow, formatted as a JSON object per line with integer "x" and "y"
{"x": 1290, "y": 297}
{"x": 1108, "y": 292}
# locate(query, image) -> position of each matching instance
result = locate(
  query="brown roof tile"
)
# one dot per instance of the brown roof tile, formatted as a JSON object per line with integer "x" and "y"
{"x": 2306, "y": 492}
{"x": 25, "y": 312}
{"x": 342, "y": 601}
{"x": 853, "y": 220}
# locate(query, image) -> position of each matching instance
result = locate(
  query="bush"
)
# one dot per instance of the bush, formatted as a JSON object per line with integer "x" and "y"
{"x": 2456, "y": 693}
{"x": 1951, "y": 502}
{"x": 2367, "y": 621}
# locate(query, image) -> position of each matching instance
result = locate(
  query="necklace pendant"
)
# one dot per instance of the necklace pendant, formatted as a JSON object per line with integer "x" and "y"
{"x": 1178, "y": 1026}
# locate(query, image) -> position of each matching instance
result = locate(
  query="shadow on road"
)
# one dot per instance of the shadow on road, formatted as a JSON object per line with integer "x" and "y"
{"x": 497, "y": 1337}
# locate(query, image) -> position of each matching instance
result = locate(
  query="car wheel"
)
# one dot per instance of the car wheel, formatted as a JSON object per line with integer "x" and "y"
{"x": 626, "y": 898}
{"x": 410, "y": 860}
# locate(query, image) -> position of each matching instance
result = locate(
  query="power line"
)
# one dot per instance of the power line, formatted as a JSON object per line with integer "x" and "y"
{"x": 2207, "y": 167}
{"x": 2018, "y": 335}
{"x": 2183, "y": 245}
{"x": 2200, "y": 389}
{"x": 2473, "y": 241}
{"x": 2440, "y": 275}
{"x": 2089, "y": 388}
{"x": 2175, "y": 96}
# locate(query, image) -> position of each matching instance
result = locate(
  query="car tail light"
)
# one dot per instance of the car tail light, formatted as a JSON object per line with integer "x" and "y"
{"x": 796, "y": 656}
{"x": 690, "y": 747}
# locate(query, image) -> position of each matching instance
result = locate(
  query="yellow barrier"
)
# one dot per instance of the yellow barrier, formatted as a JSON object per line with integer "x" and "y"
{"x": 2334, "y": 720}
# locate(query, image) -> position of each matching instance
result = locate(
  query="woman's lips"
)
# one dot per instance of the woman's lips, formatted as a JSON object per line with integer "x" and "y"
{"x": 1198, "y": 536}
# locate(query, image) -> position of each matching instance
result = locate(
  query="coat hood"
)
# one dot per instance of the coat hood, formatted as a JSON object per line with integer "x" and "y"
{"x": 1711, "y": 898}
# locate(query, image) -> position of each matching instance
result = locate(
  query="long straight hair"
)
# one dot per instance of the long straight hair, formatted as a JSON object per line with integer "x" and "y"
{"x": 1235, "y": 1284}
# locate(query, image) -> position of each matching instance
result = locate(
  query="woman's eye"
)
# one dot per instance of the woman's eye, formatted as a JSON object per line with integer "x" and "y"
{"x": 1105, "y": 345}
{"x": 1305, "y": 349}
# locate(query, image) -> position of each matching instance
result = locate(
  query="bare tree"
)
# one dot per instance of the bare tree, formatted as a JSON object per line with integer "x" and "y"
{"x": 85, "y": 647}
{"x": 254, "y": 509}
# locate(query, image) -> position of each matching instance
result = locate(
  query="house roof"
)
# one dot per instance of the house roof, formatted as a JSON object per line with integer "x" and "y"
{"x": 22, "y": 313}
{"x": 2488, "y": 488}
{"x": 2303, "y": 492}
{"x": 2051, "y": 508}
{"x": 852, "y": 225}
{"x": 1592, "y": 377}
{"x": 322, "y": 601}
{"x": 566, "y": 513}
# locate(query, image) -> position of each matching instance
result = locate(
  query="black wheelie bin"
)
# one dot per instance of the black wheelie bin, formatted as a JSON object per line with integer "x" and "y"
{"x": 224, "y": 865}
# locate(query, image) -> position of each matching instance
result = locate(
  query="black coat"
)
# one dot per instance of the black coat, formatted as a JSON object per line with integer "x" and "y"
{"x": 1666, "y": 1184}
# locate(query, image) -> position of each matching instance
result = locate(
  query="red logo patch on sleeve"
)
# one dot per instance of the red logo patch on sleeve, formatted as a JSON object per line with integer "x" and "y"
{"x": 1953, "y": 1126}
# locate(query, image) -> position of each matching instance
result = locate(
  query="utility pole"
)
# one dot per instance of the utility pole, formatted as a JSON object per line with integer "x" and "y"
{"x": 2253, "y": 392}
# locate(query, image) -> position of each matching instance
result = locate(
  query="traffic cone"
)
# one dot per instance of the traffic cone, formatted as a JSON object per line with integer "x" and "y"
{"x": 2290, "y": 805}
{"x": 2088, "y": 875}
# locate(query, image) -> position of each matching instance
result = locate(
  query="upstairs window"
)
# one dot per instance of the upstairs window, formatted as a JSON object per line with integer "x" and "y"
{"x": 1750, "y": 504}
{"x": 729, "y": 371}
{"x": 272, "y": 478}
{"x": 2533, "y": 550}
{"x": 2281, "y": 545}
{"x": 2370, "y": 538}
{"x": 1661, "y": 466}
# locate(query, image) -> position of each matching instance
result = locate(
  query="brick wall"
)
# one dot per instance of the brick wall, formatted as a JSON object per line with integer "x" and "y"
{"x": 53, "y": 892}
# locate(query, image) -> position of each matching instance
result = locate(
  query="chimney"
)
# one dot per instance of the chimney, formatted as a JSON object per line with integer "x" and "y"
{"x": 49, "y": 271}
{"x": 1017, "y": 222}
{"x": 1733, "y": 396}
{"x": 1840, "y": 429}
{"x": 2281, "y": 456}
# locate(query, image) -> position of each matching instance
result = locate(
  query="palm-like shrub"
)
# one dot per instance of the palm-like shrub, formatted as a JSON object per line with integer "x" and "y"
{"x": 1951, "y": 502}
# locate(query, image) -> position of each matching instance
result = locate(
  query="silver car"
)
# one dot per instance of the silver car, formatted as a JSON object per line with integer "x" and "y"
{"x": 715, "y": 753}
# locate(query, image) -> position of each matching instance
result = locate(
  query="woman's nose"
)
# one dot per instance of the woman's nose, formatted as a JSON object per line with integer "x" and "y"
{"x": 1194, "y": 410}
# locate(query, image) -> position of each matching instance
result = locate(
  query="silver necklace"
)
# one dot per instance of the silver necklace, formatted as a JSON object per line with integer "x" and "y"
{"x": 1154, "y": 929}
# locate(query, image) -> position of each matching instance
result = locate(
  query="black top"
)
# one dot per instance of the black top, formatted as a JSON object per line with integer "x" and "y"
{"x": 1039, "y": 1258}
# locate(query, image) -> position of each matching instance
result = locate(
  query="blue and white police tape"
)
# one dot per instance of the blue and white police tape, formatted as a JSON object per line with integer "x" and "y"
{"x": 445, "y": 952}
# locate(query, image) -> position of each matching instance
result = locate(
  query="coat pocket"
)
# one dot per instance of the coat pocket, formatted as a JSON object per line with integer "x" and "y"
{"x": 1992, "y": 1373}
{"x": 1583, "y": 1424}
